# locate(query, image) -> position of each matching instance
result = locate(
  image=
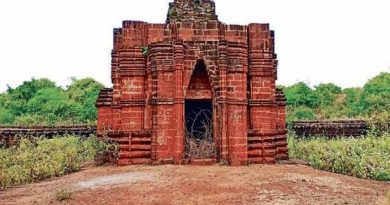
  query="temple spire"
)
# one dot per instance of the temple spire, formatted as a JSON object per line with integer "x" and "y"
{"x": 191, "y": 11}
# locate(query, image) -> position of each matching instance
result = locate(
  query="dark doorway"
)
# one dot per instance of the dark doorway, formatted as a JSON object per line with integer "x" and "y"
{"x": 199, "y": 129}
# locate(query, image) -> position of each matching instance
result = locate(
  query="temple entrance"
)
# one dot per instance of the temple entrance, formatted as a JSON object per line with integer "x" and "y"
{"x": 199, "y": 140}
{"x": 199, "y": 129}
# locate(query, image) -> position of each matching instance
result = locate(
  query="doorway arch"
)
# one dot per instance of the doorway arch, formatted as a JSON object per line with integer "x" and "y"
{"x": 199, "y": 132}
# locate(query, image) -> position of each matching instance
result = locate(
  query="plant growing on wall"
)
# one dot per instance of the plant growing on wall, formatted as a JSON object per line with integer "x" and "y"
{"x": 145, "y": 51}
{"x": 172, "y": 12}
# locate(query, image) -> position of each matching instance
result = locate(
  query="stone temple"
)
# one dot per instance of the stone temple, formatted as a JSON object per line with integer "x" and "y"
{"x": 164, "y": 73}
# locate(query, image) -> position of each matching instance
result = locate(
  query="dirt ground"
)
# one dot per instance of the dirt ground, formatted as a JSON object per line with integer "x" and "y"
{"x": 169, "y": 184}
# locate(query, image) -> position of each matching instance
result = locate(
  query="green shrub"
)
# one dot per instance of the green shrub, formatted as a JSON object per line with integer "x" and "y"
{"x": 63, "y": 195}
{"x": 33, "y": 160}
{"x": 300, "y": 94}
{"x": 367, "y": 157}
{"x": 300, "y": 113}
{"x": 376, "y": 94}
{"x": 85, "y": 92}
{"x": 326, "y": 93}
{"x": 29, "y": 88}
{"x": 379, "y": 123}
{"x": 352, "y": 101}
{"x": 387, "y": 197}
{"x": 41, "y": 102}
{"x": 6, "y": 116}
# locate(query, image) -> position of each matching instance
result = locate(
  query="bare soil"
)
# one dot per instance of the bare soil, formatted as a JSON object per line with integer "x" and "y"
{"x": 169, "y": 184}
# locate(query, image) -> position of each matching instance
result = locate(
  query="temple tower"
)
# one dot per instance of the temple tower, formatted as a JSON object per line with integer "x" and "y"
{"x": 163, "y": 72}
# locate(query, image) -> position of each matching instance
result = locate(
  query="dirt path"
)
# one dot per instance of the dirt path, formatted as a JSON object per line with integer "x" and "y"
{"x": 260, "y": 184}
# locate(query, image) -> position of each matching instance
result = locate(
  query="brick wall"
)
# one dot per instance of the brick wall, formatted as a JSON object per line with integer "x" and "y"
{"x": 330, "y": 128}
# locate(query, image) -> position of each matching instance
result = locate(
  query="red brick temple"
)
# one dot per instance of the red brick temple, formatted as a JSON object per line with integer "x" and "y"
{"x": 163, "y": 73}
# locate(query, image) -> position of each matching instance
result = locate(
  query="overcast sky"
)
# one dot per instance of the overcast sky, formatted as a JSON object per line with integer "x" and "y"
{"x": 345, "y": 42}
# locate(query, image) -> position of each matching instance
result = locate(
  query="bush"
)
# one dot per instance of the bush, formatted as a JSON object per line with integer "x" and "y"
{"x": 379, "y": 123}
{"x": 329, "y": 101}
{"x": 300, "y": 113}
{"x": 367, "y": 157}
{"x": 33, "y": 160}
{"x": 353, "y": 97}
{"x": 376, "y": 94}
{"x": 85, "y": 92}
{"x": 6, "y": 116}
{"x": 326, "y": 93}
{"x": 63, "y": 195}
{"x": 301, "y": 94}
{"x": 41, "y": 102}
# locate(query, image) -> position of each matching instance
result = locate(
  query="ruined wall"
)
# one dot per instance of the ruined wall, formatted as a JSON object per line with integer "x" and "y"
{"x": 152, "y": 68}
{"x": 330, "y": 128}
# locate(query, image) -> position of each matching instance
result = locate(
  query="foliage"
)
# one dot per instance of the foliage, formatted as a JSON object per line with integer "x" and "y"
{"x": 28, "y": 89}
{"x": 172, "y": 12}
{"x": 300, "y": 113}
{"x": 41, "y": 102}
{"x": 387, "y": 197}
{"x": 367, "y": 157}
{"x": 6, "y": 117}
{"x": 53, "y": 103}
{"x": 145, "y": 51}
{"x": 33, "y": 160}
{"x": 63, "y": 195}
{"x": 326, "y": 93}
{"x": 300, "y": 94}
{"x": 376, "y": 94}
{"x": 328, "y": 101}
{"x": 35, "y": 120}
{"x": 84, "y": 92}
{"x": 352, "y": 101}
{"x": 379, "y": 123}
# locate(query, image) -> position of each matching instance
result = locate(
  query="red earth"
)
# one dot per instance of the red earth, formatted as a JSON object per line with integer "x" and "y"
{"x": 169, "y": 184}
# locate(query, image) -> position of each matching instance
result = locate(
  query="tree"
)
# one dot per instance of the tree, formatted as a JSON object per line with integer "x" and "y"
{"x": 376, "y": 94}
{"x": 353, "y": 97}
{"x": 79, "y": 90}
{"x": 28, "y": 89}
{"x": 85, "y": 93}
{"x": 300, "y": 113}
{"x": 6, "y": 116}
{"x": 301, "y": 94}
{"x": 326, "y": 93}
{"x": 16, "y": 99}
{"x": 41, "y": 102}
{"x": 55, "y": 105}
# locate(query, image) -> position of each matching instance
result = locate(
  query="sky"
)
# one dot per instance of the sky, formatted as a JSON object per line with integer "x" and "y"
{"x": 344, "y": 42}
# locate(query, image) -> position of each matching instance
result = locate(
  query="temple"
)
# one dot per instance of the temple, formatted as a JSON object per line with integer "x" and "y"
{"x": 164, "y": 73}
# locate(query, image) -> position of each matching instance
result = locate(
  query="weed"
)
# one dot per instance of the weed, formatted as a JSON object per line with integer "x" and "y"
{"x": 145, "y": 51}
{"x": 387, "y": 197}
{"x": 365, "y": 157}
{"x": 33, "y": 160}
{"x": 63, "y": 195}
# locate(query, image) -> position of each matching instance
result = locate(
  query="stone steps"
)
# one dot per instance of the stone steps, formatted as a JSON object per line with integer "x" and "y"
{"x": 136, "y": 149}
{"x": 262, "y": 160}
{"x": 141, "y": 161}
{"x": 266, "y": 147}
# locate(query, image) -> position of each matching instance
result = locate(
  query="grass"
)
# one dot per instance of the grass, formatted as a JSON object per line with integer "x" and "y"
{"x": 63, "y": 195}
{"x": 33, "y": 160}
{"x": 387, "y": 197}
{"x": 366, "y": 157}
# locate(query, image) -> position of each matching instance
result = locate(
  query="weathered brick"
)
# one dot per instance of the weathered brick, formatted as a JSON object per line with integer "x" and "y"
{"x": 157, "y": 68}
